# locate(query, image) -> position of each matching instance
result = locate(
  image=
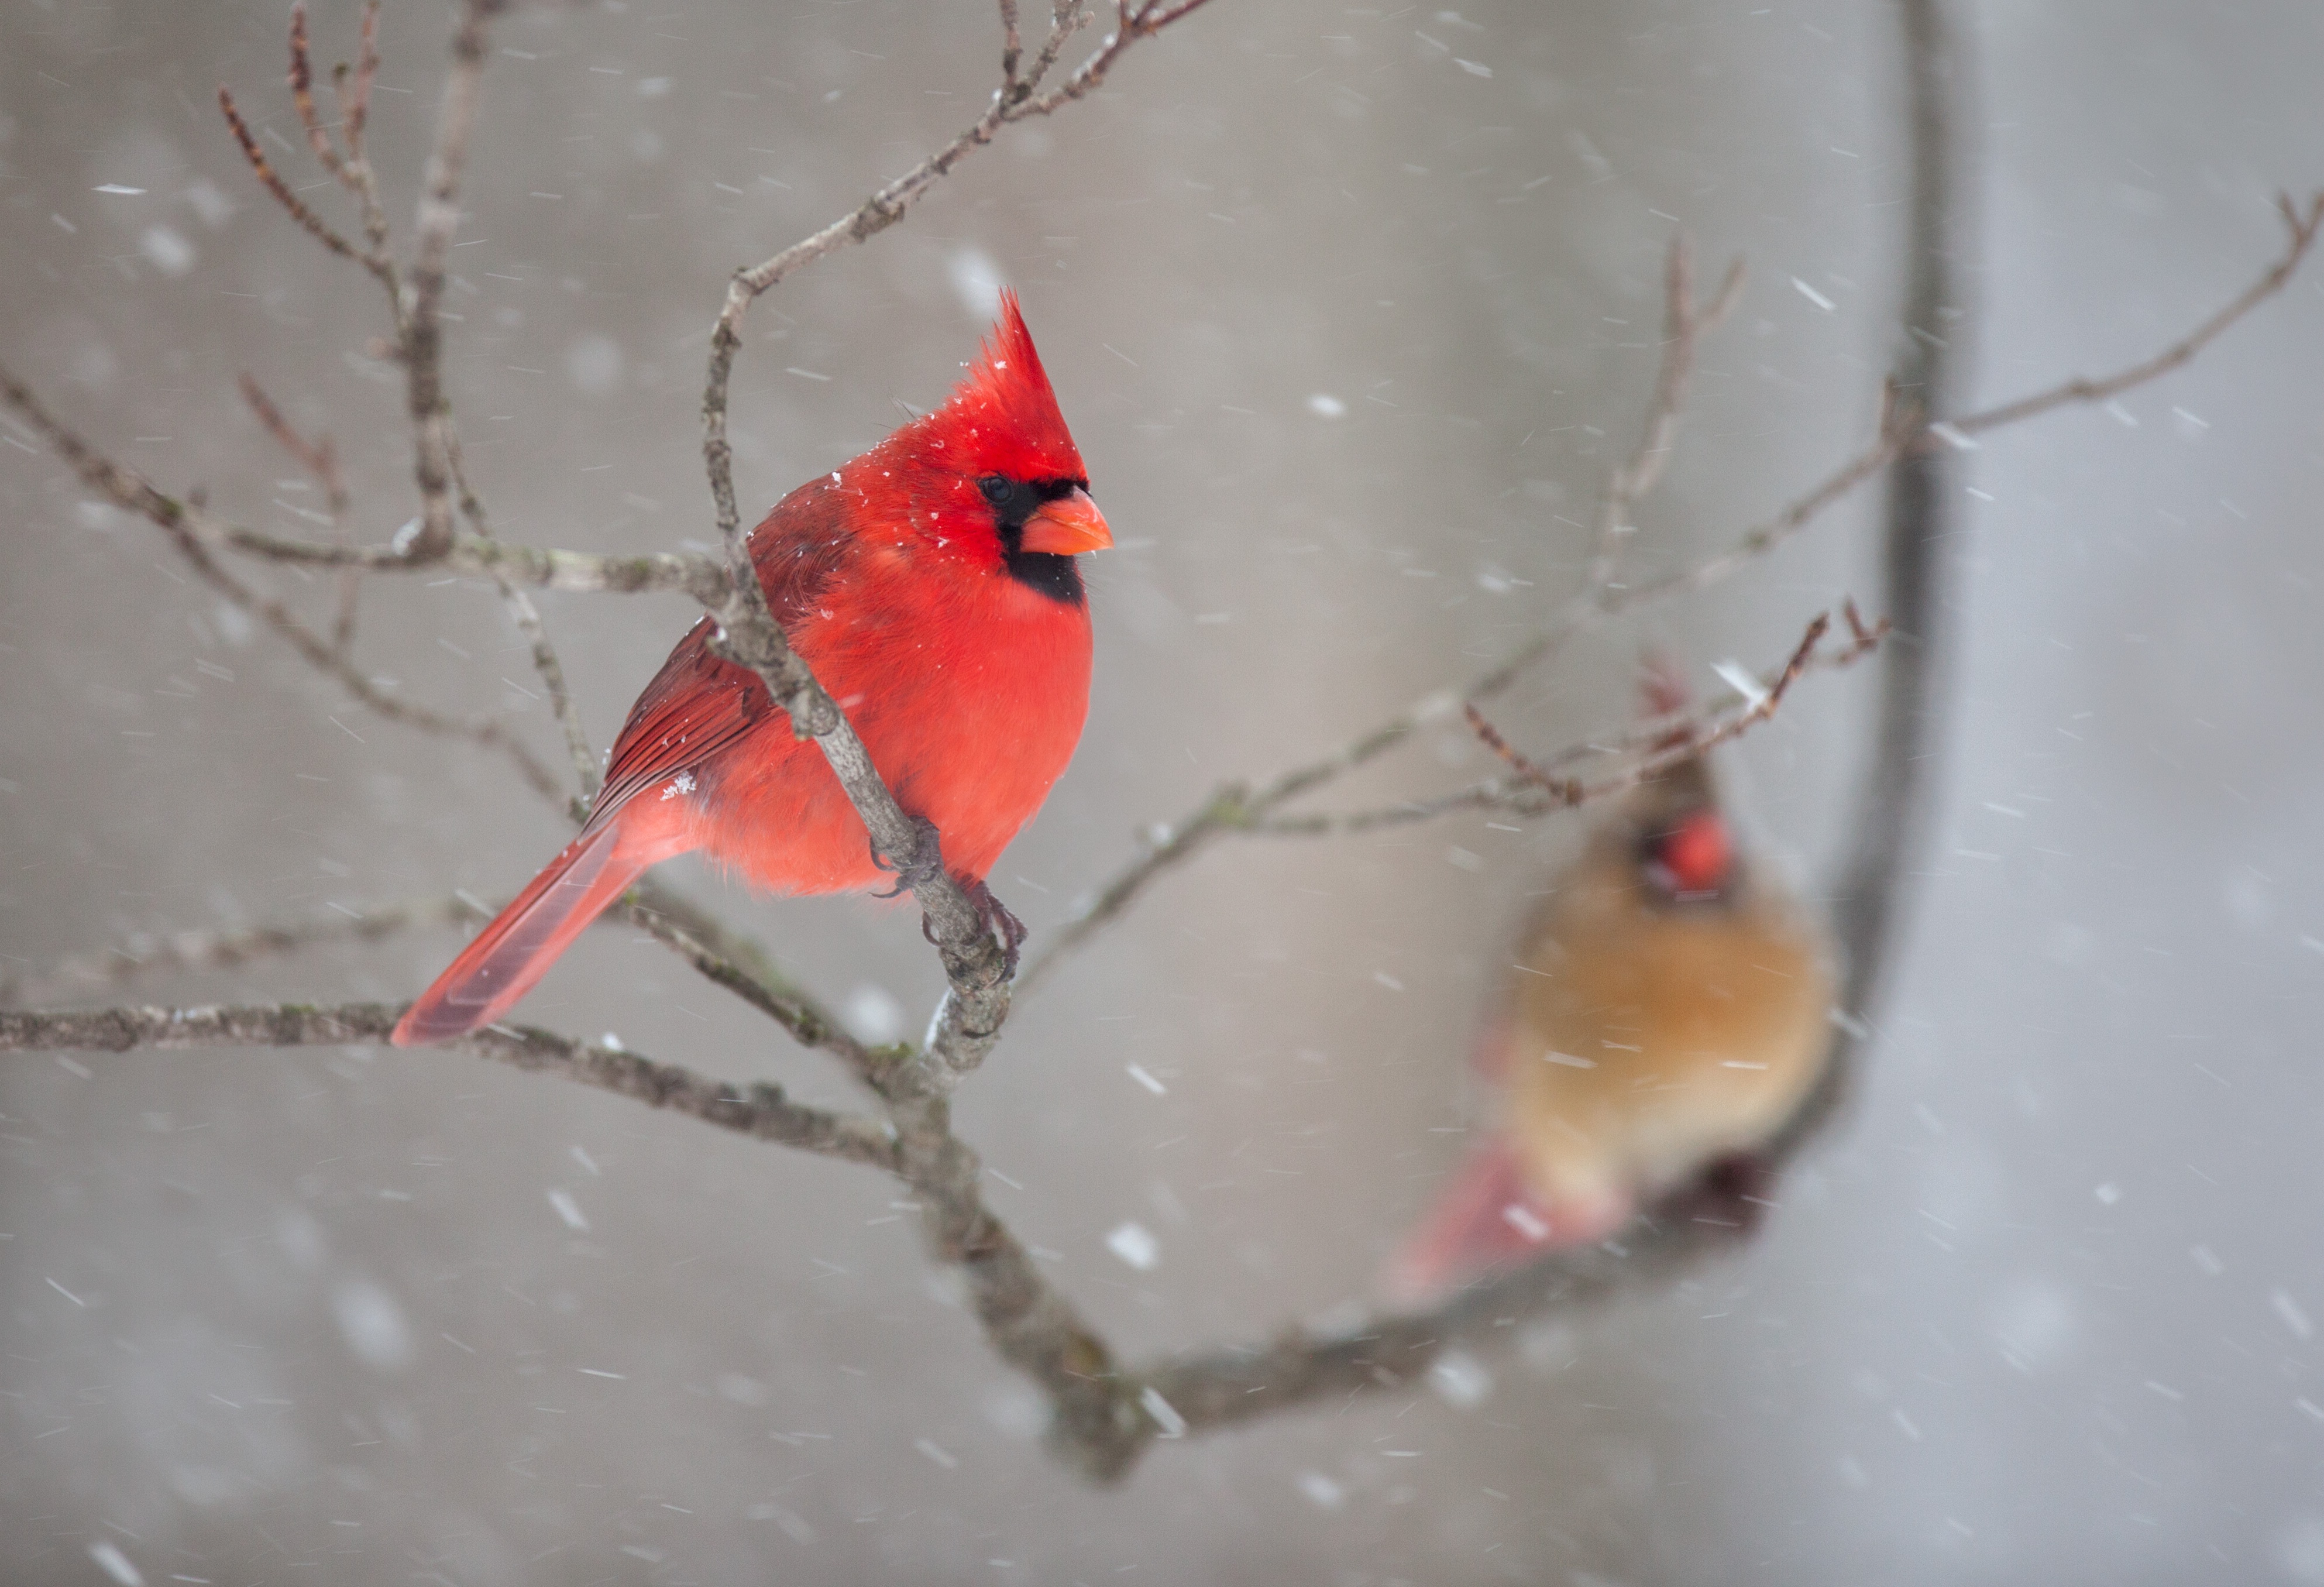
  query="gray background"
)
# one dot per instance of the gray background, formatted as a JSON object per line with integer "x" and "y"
{"x": 2040, "y": 1310}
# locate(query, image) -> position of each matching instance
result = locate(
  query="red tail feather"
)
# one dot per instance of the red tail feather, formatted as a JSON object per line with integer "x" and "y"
{"x": 516, "y": 950}
{"x": 1485, "y": 1221}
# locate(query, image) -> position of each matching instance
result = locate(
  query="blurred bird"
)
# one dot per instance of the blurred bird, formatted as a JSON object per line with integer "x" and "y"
{"x": 931, "y": 585}
{"x": 1667, "y": 1014}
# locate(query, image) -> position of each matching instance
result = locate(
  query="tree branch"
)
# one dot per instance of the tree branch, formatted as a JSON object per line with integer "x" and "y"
{"x": 1219, "y": 1387}
{"x": 230, "y": 948}
{"x": 1903, "y": 428}
{"x": 1924, "y": 550}
{"x": 274, "y": 184}
{"x": 130, "y": 491}
{"x": 763, "y": 1112}
{"x": 437, "y": 220}
{"x": 1659, "y": 745}
{"x": 977, "y": 966}
{"x": 1030, "y": 1325}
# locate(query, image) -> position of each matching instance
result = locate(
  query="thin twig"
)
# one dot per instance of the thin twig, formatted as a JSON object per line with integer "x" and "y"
{"x": 575, "y": 572}
{"x": 232, "y": 947}
{"x": 132, "y": 493}
{"x": 302, "y": 94}
{"x": 275, "y": 185}
{"x": 2301, "y": 224}
{"x": 354, "y": 112}
{"x": 319, "y": 458}
{"x": 1902, "y": 427}
{"x": 522, "y": 613}
{"x": 761, "y": 1112}
{"x": 439, "y": 218}
{"x": 1535, "y": 789}
{"x": 697, "y": 937}
{"x": 1685, "y": 324}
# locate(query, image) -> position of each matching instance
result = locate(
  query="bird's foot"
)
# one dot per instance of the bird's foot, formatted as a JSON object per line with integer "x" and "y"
{"x": 925, "y": 865}
{"x": 1735, "y": 1190}
{"x": 997, "y": 919}
{"x": 994, "y": 917}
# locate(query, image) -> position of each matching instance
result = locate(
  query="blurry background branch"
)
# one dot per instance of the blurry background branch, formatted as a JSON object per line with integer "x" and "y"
{"x": 1103, "y": 1413}
{"x": 1904, "y": 431}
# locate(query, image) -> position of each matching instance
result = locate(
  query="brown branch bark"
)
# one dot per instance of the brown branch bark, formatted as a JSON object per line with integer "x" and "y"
{"x": 1657, "y": 747}
{"x": 1031, "y": 1326}
{"x": 320, "y": 459}
{"x": 437, "y": 220}
{"x": 762, "y": 1112}
{"x": 230, "y": 948}
{"x": 273, "y": 181}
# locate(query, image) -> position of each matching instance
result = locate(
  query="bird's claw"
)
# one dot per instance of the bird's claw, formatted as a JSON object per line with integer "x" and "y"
{"x": 994, "y": 917}
{"x": 925, "y": 865}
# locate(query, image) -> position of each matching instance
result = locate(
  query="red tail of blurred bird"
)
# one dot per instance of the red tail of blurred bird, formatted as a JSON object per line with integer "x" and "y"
{"x": 931, "y": 585}
{"x": 1667, "y": 1015}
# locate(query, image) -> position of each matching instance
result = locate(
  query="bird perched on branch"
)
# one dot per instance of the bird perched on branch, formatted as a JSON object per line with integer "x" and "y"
{"x": 931, "y": 586}
{"x": 1667, "y": 1014}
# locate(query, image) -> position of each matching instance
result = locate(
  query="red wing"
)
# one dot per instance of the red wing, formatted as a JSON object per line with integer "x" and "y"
{"x": 698, "y": 704}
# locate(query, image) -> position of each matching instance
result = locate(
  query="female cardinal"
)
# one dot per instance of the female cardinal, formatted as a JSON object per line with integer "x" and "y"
{"x": 931, "y": 586}
{"x": 1668, "y": 1014}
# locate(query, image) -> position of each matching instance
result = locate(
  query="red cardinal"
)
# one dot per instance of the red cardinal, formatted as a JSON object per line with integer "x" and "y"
{"x": 1668, "y": 1015}
{"x": 931, "y": 586}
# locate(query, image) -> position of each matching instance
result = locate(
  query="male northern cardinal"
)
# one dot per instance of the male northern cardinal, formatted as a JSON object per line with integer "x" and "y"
{"x": 931, "y": 586}
{"x": 1667, "y": 1014}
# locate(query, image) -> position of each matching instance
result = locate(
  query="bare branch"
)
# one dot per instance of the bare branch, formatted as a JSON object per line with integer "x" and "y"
{"x": 302, "y": 94}
{"x": 1658, "y": 745}
{"x": 1897, "y": 424}
{"x": 1902, "y": 428}
{"x": 1923, "y": 553}
{"x": 275, "y": 185}
{"x": 1029, "y": 1324}
{"x": 762, "y": 1112}
{"x": 577, "y": 572}
{"x": 317, "y": 457}
{"x": 423, "y": 332}
{"x": 320, "y": 459}
{"x": 697, "y": 937}
{"x": 231, "y": 948}
{"x": 355, "y": 111}
{"x": 130, "y": 491}
{"x": 1220, "y": 1388}
{"x": 2301, "y": 224}
{"x": 1684, "y": 325}
{"x": 527, "y": 618}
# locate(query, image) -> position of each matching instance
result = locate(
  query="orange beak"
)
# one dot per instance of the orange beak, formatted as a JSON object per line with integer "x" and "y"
{"x": 1067, "y": 527}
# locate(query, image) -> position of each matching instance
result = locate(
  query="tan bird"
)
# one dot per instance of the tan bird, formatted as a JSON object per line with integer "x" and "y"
{"x": 1667, "y": 1014}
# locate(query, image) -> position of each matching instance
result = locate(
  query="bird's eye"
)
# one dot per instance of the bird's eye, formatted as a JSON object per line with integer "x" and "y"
{"x": 994, "y": 488}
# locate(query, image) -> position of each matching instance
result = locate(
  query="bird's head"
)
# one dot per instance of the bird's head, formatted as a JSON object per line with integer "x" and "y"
{"x": 1680, "y": 841}
{"x": 993, "y": 477}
